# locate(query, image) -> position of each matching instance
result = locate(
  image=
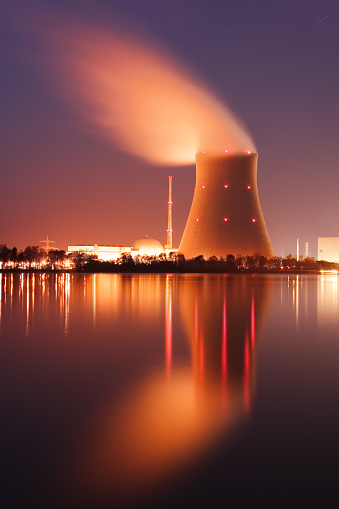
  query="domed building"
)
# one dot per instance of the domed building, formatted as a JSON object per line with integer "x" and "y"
{"x": 146, "y": 246}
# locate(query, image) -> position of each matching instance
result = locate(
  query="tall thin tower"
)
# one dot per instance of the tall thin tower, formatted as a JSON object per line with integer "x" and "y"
{"x": 47, "y": 246}
{"x": 169, "y": 244}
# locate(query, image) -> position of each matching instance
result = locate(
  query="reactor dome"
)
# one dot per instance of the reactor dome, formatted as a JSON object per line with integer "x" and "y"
{"x": 148, "y": 247}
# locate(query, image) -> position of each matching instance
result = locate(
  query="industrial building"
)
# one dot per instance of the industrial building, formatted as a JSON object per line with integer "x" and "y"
{"x": 328, "y": 249}
{"x": 225, "y": 216}
{"x": 145, "y": 246}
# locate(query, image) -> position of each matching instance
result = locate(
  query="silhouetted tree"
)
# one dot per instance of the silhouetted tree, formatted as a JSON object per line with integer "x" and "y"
{"x": 14, "y": 254}
{"x": 259, "y": 261}
{"x": 230, "y": 264}
{"x": 180, "y": 259}
{"x": 126, "y": 259}
{"x": 239, "y": 262}
{"x": 275, "y": 262}
{"x": 32, "y": 254}
{"x": 56, "y": 255}
{"x": 5, "y": 253}
{"x": 289, "y": 262}
{"x": 309, "y": 263}
{"x": 79, "y": 259}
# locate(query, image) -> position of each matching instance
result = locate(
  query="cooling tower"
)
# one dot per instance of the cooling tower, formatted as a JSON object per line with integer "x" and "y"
{"x": 225, "y": 216}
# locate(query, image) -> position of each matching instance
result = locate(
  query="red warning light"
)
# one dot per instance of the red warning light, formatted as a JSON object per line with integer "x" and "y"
{"x": 253, "y": 220}
{"x": 226, "y": 186}
{"x": 225, "y": 218}
{"x": 248, "y": 187}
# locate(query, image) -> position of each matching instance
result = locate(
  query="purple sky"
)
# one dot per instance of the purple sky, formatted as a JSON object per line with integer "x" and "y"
{"x": 275, "y": 64}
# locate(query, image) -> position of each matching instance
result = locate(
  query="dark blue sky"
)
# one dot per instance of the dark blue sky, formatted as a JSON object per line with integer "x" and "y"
{"x": 276, "y": 65}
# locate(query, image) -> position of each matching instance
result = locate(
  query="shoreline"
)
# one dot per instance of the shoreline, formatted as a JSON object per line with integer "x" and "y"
{"x": 175, "y": 270}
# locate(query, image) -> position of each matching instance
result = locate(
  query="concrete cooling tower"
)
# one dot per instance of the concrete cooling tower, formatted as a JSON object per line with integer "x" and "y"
{"x": 225, "y": 216}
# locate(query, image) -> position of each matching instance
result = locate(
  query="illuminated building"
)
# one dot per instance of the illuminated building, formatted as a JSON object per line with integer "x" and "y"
{"x": 148, "y": 247}
{"x": 104, "y": 253}
{"x": 328, "y": 249}
{"x": 141, "y": 247}
{"x": 145, "y": 246}
{"x": 225, "y": 216}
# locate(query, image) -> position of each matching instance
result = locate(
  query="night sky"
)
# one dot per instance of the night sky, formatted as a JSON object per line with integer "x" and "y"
{"x": 274, "y": 64}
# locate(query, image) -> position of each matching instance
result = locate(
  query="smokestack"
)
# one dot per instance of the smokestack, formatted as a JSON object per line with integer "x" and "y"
{"x": 306, "y": 249}
{"x": 169, "y": 221}
{"x": 225, "y": 216}
{"x": 297, "y": 250}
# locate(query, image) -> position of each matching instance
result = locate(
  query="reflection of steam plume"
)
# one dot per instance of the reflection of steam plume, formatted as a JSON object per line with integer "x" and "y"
{"x": 141, "y": 99}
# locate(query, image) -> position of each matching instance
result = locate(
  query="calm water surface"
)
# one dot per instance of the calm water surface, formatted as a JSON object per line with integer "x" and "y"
{"x": 155, "y": 390}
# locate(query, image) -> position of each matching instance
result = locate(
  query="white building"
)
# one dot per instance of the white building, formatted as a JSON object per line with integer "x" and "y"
{"x": 145, "y": 246}
{"x": 328, "y": 249}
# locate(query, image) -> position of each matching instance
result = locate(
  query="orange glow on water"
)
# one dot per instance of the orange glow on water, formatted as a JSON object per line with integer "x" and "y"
{"x": 247, "y": 393}
{"x": 138, "y": 97}
{"x": 168, "y": 332}
{"x": 252, "y": 323}
{"x": 224, "y": 343}
{"x": 156, "y": 430}
{"x": 196, "y": 321}
{"x": 202, "y": 356}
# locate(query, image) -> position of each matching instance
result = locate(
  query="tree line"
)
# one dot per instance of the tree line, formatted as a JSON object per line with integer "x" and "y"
{"x": 30, "y": 254}
{"x": 175, "y": 262}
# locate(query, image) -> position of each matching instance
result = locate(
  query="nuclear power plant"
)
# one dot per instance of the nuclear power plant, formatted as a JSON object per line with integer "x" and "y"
{"x": 225, "y": 216}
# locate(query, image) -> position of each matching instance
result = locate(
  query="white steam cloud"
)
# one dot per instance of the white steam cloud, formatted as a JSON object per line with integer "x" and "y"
{"x": 141, "y": 99}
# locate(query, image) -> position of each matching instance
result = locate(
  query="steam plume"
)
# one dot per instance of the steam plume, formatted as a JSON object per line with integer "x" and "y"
{"x": 141, "y": 99}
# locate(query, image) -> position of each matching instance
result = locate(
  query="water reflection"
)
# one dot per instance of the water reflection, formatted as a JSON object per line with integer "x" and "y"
{"x": 174, "y": 413}
{"x": 314, "y": 299}
{"x": 29, "y": 296}
{"x": 147, "y": 371}
{"x": 223, "y": 318}
{"x": 327, "y": 300}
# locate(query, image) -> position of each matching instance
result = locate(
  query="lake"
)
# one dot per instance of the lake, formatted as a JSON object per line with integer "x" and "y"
{"x": 122, "y": 390}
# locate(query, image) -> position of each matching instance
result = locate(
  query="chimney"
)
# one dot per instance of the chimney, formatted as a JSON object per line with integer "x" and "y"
{"x": 169, "y": 222}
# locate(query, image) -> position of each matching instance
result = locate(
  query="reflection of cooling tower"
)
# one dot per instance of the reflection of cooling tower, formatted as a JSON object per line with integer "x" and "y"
{"x": 224, "y": 319}
{"x": 225, "y": 216}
